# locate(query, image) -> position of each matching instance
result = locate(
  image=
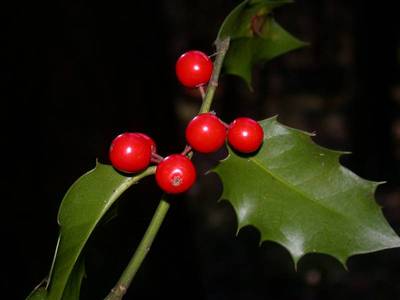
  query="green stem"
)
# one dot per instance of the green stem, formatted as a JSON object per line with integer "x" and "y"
{"x": 127, "y": 276}
{"x": 222, "y": 48}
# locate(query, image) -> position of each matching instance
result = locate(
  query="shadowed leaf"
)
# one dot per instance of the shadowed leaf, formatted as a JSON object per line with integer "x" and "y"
{"x": 255, "y": 37}
{"x": 81, "y": 210}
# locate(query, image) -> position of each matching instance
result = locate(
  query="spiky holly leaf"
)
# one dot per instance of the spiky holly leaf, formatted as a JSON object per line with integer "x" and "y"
{"x": 297, "y": 194}
{"x": 255, "y": 37}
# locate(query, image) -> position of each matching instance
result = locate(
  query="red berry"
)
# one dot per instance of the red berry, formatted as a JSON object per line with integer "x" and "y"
{"x": 151, "y": 141}
{"x": 130, "y": 152}
{"x": 245, "y": 135}
{"x": 193, "y": 69}
{"x": 175, "y": 174}
{"x": 205, "y": 133}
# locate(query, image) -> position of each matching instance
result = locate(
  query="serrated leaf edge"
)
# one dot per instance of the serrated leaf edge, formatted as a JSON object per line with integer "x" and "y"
{"x": 296, "y": 259}
{"x": 241, "y": 5}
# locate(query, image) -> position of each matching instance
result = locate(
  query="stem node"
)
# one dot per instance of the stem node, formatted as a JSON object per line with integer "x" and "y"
{"x": 222, "y": 48}
{"x": 144, "y": 247}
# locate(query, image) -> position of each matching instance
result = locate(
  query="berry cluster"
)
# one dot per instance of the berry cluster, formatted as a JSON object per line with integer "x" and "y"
{"x": 206, "y": 133}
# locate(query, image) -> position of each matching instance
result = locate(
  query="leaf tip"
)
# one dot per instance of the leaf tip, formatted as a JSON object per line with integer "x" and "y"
{"x": 304, "y": 44}
{"x": 378, "y": 183}
{"x": 343, "y": 153}
{"x": 344, "y": 263}
{"x": 296, "y": 260}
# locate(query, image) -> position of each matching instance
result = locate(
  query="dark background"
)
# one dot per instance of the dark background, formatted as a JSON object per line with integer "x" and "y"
{"x": 76, "y": 73}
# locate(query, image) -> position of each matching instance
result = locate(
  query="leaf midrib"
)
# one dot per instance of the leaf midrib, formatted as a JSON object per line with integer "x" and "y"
{"x": 297, "y": 190}
{"x": 128, "y": 181}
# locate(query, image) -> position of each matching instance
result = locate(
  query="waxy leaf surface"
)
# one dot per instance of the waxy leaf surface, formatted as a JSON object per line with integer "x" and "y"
{"x": 81, "y": 210}
{"x": 297, "y": 194}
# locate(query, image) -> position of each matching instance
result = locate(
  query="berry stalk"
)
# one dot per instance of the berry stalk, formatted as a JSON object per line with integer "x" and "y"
{"x": 130, "y": 271}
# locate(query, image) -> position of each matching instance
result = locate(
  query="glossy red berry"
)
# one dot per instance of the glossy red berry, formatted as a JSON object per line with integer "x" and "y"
{"x": 245, "y": 135}
{"x": 175, "y": 174}
{"x": 130, "y": 152}
{"x": 206, "y": 133}
{"x": 151, "y": 141}
{"x": 193, "y": 69}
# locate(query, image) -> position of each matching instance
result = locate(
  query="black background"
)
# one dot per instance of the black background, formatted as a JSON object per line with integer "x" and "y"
{"x": 76, "y": 73}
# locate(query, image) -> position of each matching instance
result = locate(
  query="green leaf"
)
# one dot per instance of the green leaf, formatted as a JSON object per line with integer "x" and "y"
{"x": 255, "y": 37}
{"x": 82, "y": 208}
{"x": 73, "y": 288}
{"x": 297, "y": 194}
{"x": 38, "y": 293}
